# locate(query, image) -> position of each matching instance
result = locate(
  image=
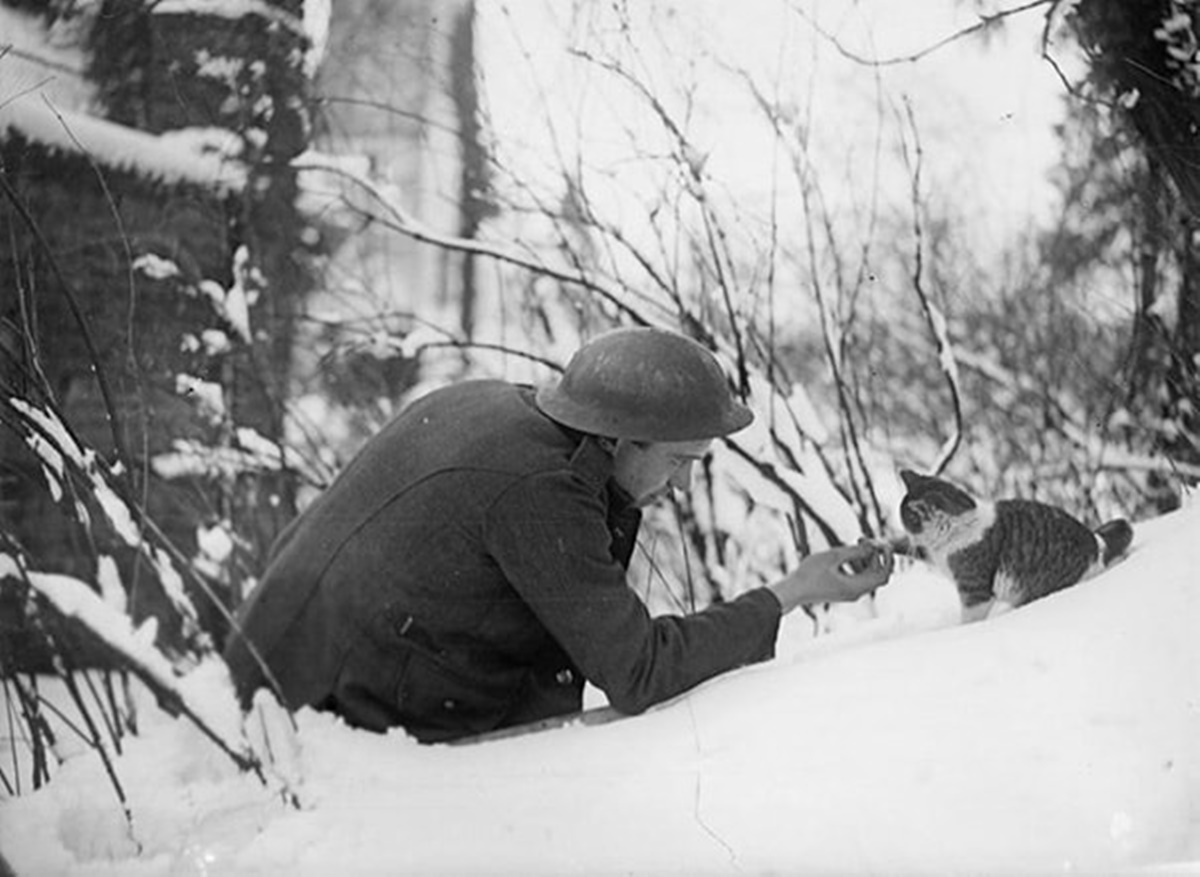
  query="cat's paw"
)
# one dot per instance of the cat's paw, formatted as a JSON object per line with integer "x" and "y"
{"x": 1116, "y": 536}
{"x": 983, "y": 611}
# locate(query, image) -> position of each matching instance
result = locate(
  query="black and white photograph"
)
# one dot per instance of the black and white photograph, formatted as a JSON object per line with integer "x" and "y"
{"x": 599, "y": 437}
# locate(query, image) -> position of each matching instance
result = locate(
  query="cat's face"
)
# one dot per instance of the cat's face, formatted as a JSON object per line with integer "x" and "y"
{"x": 931, "y": 504}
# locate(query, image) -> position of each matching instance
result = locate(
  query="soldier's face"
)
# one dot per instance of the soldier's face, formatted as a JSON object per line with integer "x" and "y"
{"x": 647, "y": 470}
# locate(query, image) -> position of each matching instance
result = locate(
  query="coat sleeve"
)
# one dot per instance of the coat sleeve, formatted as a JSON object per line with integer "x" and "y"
{"x": 548, "y": 534}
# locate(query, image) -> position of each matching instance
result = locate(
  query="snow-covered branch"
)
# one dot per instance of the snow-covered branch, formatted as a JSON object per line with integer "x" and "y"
{"x": 74, "y": 473}
{"x": 204, "y": 694}
{"x": 206, "y": 157}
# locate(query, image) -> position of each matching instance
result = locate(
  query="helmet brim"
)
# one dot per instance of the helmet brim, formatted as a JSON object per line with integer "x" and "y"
{"x": 639, "y": 423}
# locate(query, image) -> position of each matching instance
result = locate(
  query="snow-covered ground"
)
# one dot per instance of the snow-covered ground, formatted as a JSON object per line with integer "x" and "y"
{"x": 1061, "y": 738}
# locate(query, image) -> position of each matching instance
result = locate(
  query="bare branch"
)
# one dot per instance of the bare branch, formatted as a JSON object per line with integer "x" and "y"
{"x": 809, "y": 193}
{"x": 10, "y": 49}
{"x": 400, "y": 220}
{"x": 391, "y": 109}
{"x": 498, "y": 348}
{"x": 20, "y": 94}
{"x": 985, "y": 22}
{"x": 933, "y": 316}
{"x": 800, "y": 506}
{"x": 112, "y": 413}
{"x": 687, "y": 158}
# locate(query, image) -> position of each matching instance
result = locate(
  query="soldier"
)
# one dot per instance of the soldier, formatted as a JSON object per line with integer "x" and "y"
{"x": 466, "y": 571}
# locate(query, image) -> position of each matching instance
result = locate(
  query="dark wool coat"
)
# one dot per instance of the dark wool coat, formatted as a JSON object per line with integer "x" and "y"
{"x": 466, "y": 572}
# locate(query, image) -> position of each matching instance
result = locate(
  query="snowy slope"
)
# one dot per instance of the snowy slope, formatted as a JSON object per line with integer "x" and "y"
{"x": 1064, "y": 737}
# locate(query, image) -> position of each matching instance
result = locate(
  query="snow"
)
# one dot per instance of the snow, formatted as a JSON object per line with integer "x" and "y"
{"x": 112, "y": 589}
{"x": 232, "y": 9}
{"x": 212, "y": 702}
{"x": 1059, "y": 738}
{"x": 34, "y": 59}
{"x": 1062, "y": 737}
{"x": 203, "y": 156}
{"x": 44, "y": 98}
{"x": 156, "y": 267}
{"x": 54, "y": 444}
{"x": 208, "y": 396}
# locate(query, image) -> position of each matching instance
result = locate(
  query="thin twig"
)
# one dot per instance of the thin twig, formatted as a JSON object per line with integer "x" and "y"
{"x": 50, "y": 706}
{"x": 94, "y": 738}
{"x": 689, "y": 579}
{"x": 654, "y": 570}
{"x": 11, "y": 720}
{"x": 135, "y": 367}
{"x": 110, "y": 408}
{"x": 714, "y": 232}
{"x": 425, "y": 121}
{"x": 41, "y": 736}
{"x": 10, "y": 49}
{"x": 933, "y": 316}
{"x": 399, "y": 220}
{"x": 20, "y": 94}
{"x": 112, "y": 723}
{"x": 809, "y": 190}
{"x": 799, "y": 504}
{"x": 985, "y": 22}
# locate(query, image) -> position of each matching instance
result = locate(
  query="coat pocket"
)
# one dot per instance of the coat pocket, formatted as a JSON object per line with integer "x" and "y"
{"x": 442, "y": 693}
{"x": 436, "y": 696}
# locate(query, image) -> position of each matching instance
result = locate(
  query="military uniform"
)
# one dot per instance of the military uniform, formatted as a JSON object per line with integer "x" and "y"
{"x": 466, "y": 572}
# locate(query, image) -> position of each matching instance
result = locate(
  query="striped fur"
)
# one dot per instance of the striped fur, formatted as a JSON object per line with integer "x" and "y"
{"x": 1005, "y": 554}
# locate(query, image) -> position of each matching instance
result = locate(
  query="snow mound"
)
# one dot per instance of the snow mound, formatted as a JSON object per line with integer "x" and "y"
{"x": 1062, "y": 737}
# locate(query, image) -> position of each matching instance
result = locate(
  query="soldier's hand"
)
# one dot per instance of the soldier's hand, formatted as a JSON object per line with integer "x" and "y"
{"x": 839, "y": 575}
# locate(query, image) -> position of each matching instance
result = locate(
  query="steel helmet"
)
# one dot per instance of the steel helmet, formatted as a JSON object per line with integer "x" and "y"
{"x": 647, "y": 385}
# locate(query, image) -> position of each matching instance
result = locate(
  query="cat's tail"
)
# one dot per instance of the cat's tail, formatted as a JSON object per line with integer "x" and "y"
{"x": 1114, "y": 536}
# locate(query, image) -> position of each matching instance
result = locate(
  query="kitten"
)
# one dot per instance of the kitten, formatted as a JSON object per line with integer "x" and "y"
{"x": 1004, "y": 554}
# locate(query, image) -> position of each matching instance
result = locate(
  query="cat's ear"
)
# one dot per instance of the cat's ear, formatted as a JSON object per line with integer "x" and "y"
{"x": 910, "y": 478}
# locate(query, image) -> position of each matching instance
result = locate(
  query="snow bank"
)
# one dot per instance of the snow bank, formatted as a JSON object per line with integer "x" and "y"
{"x": 1062, "y": 738}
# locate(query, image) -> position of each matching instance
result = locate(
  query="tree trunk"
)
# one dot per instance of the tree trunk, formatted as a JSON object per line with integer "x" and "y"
{"x": 474, "y": 204}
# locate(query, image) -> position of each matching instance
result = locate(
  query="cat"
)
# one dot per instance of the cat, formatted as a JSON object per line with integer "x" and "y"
{"x": 1003, "y": 554}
